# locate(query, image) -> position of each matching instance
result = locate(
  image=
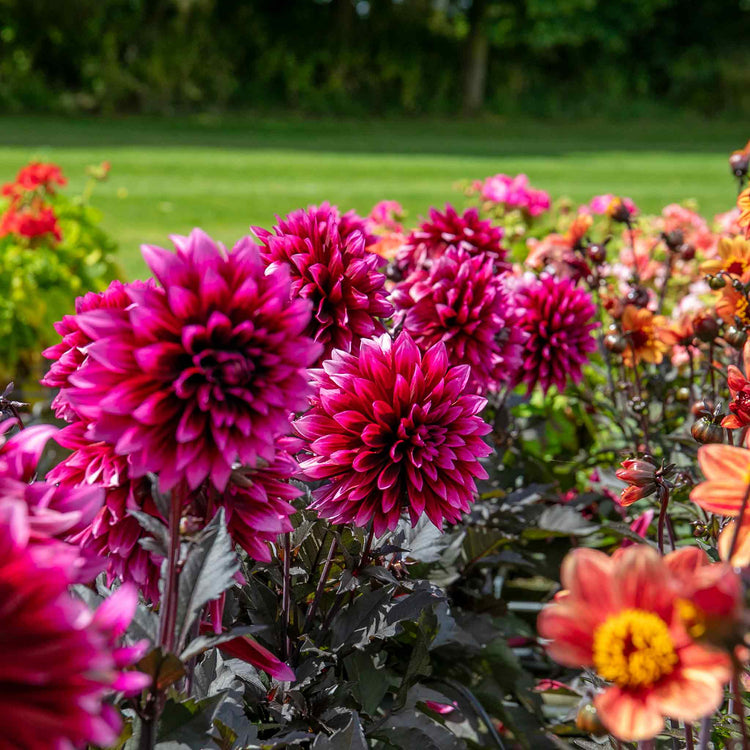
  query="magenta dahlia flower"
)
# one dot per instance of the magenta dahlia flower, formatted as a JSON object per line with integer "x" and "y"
{"x": 113, "y": 534}
{"x": 462, "y": 302}
{"x": 559, "y": 319}
{"x": 514, "y": 193}
{"x": 330, "y": 266}
{"x": 60, "y": 661}
{"x": 70, "y": 353}
{"x": 391, "y": 429}
{"x": 53, "y": 513}
{"x": 199, "y": 373}
{"x": 445, "y": 230}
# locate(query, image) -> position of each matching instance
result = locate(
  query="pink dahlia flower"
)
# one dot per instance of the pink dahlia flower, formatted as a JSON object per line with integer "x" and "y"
{"x": 391, "y": 429}
{"x": 558, "y": 318}
{"x": 200, "y": 373}
{"x": 113, "y": 533}
{"x": 514, "y": 193}
{"x": 330, "y": 266}
{"x": 70, "y": 353}
{"x": 600, "y": 204}
{"x": 445, "y": 230}
{"x": 385, "y": 217}
{"x": 60, "y": 661}
{"x": 464, "y": 304}
{"x": 53, "y": 513}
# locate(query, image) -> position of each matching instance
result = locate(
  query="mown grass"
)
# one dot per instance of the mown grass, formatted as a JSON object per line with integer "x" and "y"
{"x": 224, "y": 174}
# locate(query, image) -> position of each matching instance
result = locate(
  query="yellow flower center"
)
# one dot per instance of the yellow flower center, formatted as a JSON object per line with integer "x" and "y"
{"x": 633, "y": 649}
{"x": 741, "y": 310}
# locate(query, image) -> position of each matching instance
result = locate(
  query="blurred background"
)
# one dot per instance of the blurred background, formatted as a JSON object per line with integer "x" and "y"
{"x": 225, "y": 112}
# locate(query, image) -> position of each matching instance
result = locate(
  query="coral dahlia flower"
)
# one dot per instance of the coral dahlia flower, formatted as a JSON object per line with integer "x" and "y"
{"x": 201, "y": 372}
{"x": 623, "y": 617}
{"x": 734, "y": 257}
{"x": 743, "y": 204}
{"x": 727, "y": 472}
{"x": 393, "y": 429}
{"x": 558, "y": 318}
{"x": 60, "y": 661}
{"x": 328, "y": 263}
{"x": 463, "y": 303}
{"x": 447, "y": 229}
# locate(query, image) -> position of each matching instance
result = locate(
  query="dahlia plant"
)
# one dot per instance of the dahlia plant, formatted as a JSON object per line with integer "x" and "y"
{"x": 481, "y": 482}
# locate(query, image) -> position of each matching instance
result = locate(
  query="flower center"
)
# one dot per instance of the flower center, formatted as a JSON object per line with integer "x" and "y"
{"x": 634, "y": 649}
{"x": 736, "y": 266}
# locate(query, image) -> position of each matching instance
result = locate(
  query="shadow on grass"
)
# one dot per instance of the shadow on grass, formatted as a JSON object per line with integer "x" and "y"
{"x": 486, "y": 137}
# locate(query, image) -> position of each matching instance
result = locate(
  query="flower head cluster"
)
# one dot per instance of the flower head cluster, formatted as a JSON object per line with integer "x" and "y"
{"x": 52, "y": 514}
{"x": 643, "y": 333}
{"x": 447, "y": 229}
{"x": 60, "y": 660}
{"x": 200, "y": 372}
{"x": 514, "y": 193}
{"x": 392, "y": 429}
{"x": 632, "y": 619}
{"x": 28, "y": 213}
{"x": 558, "y": 318}
{"x": 464, "y": 304}
{"x": 328, "y": 263}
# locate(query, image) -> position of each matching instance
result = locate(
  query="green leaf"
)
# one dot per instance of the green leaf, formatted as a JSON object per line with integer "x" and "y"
{"x": 207, "y": 573}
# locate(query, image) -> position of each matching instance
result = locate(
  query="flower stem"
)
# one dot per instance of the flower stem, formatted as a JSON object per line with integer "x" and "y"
{"x": 664, "y": 497}
{"x": 739, "y": 705}
{"x": 321, "y": 584}
{"x": 286, "y": 599}
{"x": 689, "y": 745}
{"x": 167, "y": 623}
{"x": 705, "y": 733}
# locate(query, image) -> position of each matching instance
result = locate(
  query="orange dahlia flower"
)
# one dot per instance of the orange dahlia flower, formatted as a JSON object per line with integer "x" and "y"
{"x": 743, "y": 203}
{"x": 733, "y": 304}
{"x": 622, "y": 616}
{"x": 727, "y": 472}
{"x": 643, "y": 331}
{"x": 734, "y": 257}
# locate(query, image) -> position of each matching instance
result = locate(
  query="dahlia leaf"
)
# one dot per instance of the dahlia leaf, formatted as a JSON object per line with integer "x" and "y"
{"x": 351, "y": 737}
{"x": 560, "y": 520}
{"x": 207, "y": 573}
{"x": 156, "y": 528}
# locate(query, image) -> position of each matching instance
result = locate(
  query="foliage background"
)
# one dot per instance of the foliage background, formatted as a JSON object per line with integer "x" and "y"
{"x": 539, "y": 57}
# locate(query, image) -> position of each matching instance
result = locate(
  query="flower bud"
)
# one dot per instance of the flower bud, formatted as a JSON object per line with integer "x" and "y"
{"x": 716, "y": 282}
{"x": 735, "y": 337}
{"x": 637, "y": 296}
{"x": 615, "y": 343}
{"x": 587, "y": 720}
{"x": 738, "y": 163}
{"x": 687, "y": 251}
{"x": 597, "y": 253}
{"x": 704, "y": 430}
{"x": 674, "y": 239}
{"x": 706, "y": 328}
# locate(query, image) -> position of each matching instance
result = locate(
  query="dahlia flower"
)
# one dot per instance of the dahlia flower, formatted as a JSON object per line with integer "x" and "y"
{"x": 514, "y": 193}
{"x": 645, "y": 335}
{"x": 69, "y": 354}
{"x": 34, "y": 176}
{"x": 257, "y": 501}
{"x": 558, "y": 319}
{"x": 35, "y": 220}
{"x": 393, "y": 428}
{"x": 53, "y": 513}
{"x": 739, "y": 406}
{"x": 201, "y": 372}
{"x": 60, "y": 661}
{"x": 601, "y": 204}
{"x": 743, "y": 204}
{"x": 447, "y": 229}
{"x": 113, "y": 534}
{"x": 329, "y": 265}
{"x": 623, "y": 617}
{"x": 385, "y": 216}
{"x": 734, "y": 257}
{"x": 464, "y": 304}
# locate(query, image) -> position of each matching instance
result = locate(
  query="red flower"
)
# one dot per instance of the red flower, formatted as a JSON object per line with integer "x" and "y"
{"x": 34, "y": 176}
{"x": 740, "y": 403}
{"x": 60, "y": 661}
{"x": 329, "y": 265}
{"x": 462, "y": 302}
{"x": 392, "y": 429}
{"x": 447, "y": 229}
{"x": 623, "y": 617}
{"x": 559, "y": 320}
{"x": 34, "y": 220}
{"x": 200, "y": 373}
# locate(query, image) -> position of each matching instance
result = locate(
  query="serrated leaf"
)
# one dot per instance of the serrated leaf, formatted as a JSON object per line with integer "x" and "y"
{"x": 561, "y": 520}
{"x": 159, "y": 540}
{"x": 410, "y": 728}
{"x": 207, "y": 573}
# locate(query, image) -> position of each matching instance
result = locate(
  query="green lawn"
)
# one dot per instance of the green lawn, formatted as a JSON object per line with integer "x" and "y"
{"x": 224, "y": 174}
